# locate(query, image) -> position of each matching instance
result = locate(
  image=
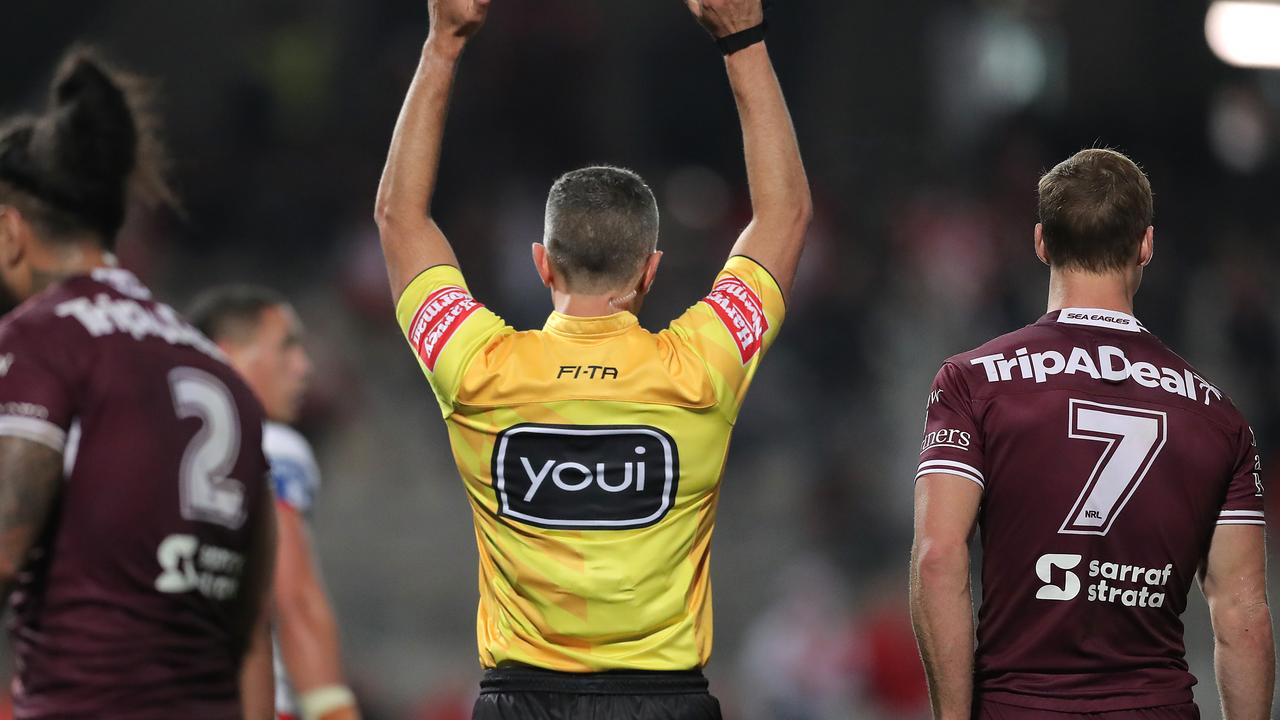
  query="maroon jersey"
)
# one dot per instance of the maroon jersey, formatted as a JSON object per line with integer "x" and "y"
{"x": 1105, "y": 462}
{"x": 130, "y": 605}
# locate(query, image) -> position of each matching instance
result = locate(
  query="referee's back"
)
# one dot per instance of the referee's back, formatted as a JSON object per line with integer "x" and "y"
{"x": 592, "y": 451}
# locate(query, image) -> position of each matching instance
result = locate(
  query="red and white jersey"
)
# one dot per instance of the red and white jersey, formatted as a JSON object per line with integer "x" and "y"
{"x": 295, "y": 476}
{"x": 1105, "y": 462}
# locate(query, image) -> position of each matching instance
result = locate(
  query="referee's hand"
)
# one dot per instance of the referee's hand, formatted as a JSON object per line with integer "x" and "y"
{"x": 456, "y": 20}
{"x": 726, "y": 17}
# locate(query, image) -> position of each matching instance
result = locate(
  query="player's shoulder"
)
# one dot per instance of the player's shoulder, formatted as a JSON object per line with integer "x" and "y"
{"x": 281, "y": 441}
{"x": 45, "y": 323}
{"x": 968, "y": 365}
{"x": 1216, "y": 403}
{"x": 106, "y": 304}
{"x": 1090, "y": 351}
{"x": 295, "y": 476}
{"x": 36, "y": 312}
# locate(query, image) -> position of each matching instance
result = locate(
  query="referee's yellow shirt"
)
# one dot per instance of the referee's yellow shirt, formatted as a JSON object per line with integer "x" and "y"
{"x": 591, "y": 451}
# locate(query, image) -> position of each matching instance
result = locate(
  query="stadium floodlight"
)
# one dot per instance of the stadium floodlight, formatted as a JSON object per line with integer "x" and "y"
{"x": 1245, "y": 33}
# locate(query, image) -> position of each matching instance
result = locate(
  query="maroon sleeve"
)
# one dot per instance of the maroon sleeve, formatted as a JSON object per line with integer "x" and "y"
{"x": 952, "y": 444}
{"x": 35, "y": 400}
{"x": 1243, "y": 505}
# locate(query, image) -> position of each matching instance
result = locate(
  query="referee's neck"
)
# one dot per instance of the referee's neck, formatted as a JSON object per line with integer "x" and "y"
{"x": 581, "y": 305}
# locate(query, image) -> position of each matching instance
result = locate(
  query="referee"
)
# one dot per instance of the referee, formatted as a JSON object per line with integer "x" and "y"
{"x": 591, "y": 450}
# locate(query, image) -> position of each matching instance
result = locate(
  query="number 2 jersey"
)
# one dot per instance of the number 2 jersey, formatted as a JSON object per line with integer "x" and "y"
{"x": 131, "y": 605}
{"x": 591, "y": 452}
{"x": 1106, "y": 463}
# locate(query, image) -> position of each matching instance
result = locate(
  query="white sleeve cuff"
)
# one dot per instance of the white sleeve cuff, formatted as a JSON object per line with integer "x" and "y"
{"x": 1242, "y": 517}
{"x": 35, "y": 430}
{"x": 951, "y": 467}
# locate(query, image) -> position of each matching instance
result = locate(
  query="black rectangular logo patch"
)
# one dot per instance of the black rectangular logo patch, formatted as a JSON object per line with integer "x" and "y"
{"x": 585, "y": 477}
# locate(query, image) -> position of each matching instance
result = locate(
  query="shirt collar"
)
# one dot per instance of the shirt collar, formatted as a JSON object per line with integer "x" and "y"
{"x": 601, "y": 326}
{"x": 1096, "y": 317}
{"x": 123, "y": 281}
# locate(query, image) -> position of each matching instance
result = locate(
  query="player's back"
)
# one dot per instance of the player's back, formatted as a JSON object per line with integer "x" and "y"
{"x": 132, "y": 604}
{"x": 1105, "y": 461}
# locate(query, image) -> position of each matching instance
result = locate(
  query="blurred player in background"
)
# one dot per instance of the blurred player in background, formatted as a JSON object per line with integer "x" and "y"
{"x": 138, "y": 579}
{"x": 1105, "y": 474}
{"x": 592, "y": 450}
{"x": 262, "y": 338}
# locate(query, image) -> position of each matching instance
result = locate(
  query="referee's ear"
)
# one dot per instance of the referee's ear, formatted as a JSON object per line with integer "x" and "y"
{"x": 650, "y": 270}
{"x": 542, "y": 261}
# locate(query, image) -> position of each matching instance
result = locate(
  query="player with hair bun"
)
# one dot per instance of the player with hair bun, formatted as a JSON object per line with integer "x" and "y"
{"x": 136, "y": 532}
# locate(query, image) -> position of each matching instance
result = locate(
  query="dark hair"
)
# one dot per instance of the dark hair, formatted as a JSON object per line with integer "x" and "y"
{"x": 73, "y": 168}
{"x": 1095, "y": 207}
{"x": 232, "y": 312}
{"x": 601, "y": 224}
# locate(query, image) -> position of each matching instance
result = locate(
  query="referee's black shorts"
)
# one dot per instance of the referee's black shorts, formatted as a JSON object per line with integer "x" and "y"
{"x": 520, "y": 692}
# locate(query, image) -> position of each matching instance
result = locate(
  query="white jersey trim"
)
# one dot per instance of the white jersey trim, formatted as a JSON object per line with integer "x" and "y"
{"x": 951, "y": 467}
{"x": 1097, "y": 317}
{"x": 34, "y": 429}
{"x": 1242, "y": 517}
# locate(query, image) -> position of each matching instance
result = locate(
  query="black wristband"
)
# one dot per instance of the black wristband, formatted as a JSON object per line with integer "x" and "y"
{"x": 730, "y": 44}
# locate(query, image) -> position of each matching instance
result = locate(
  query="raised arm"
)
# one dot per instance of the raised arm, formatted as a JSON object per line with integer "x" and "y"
{"x": 1234, "y": 580}
{"x": 411, "y": 240}
{"x": 780, "y": 201}
{"x": 941, "y": 598}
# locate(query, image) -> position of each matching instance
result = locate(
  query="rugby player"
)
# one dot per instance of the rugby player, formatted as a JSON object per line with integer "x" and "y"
{"x": 261, "y": 336}
{"x": 1105, "y": 475}
{"x": 591, "y": 450}
{"x": 135, "y": 519}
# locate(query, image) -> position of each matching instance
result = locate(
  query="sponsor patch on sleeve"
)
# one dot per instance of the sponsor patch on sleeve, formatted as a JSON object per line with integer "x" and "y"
{"x": 437, "y": 320}
{"x": 742, "y": 312}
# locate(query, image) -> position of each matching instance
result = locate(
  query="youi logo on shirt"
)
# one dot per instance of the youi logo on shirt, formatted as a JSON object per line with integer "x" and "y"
{"x": 585, "y": 477}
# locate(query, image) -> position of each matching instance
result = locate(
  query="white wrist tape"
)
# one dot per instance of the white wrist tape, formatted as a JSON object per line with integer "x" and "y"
{"x": 316, "y": 703}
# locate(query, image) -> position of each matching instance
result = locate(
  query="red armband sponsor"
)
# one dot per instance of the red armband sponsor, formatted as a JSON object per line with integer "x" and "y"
{"x": 437, "y": 320}
{"x": 742, "y": 312}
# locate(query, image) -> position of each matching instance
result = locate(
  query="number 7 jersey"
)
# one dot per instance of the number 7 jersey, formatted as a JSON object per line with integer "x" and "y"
{"x": 1105, "y": 463}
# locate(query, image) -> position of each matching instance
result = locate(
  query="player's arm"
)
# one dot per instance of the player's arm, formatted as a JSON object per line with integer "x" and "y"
{"x": 946, "y": 508}
{"x": 257, "y": 674}
{"x": 1234, "y": 580}
{"x": 780, "y": 201}
{"x": 306, "y": 626}
{"x": 30, "y": 475}
{"x": 411, "y": 240}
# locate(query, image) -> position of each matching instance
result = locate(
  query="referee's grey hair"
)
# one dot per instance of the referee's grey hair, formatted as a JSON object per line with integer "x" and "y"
{"x": 601, "y": 226}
